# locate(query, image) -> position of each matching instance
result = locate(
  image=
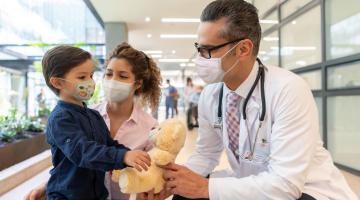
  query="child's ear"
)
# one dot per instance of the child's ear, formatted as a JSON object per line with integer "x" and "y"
{"x": 56, "y": 83}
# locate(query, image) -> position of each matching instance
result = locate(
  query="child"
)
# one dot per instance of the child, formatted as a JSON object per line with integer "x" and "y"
{"x": 81, "y": 146}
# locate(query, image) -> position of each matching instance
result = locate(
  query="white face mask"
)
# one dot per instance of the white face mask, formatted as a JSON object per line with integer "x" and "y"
{"x": 210, "y": 70}
{"x": 116, "y": 91}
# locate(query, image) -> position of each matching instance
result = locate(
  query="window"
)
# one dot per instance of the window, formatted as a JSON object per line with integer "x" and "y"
{"x": 318, "y": 101}
{"x": 298, "y": 48}
{"x": 12, "y": 91}
{"x": 313, "y": 79}
{"x": 65, "y": 21}
{"x": 345, "y": 76}
{"x": 264, "y": 5}
{"x": 342, "y": 28}
{"x": 292, "y": 6}
{"x": 268, "y": 54}
{"x": 269, "y": 21}
{"x": 344, "y": 130}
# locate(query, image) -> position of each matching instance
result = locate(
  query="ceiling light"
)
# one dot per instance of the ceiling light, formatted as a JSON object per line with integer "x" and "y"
{"x": 156, "y": 56}
{"x": 174, "y": 60}
{"x": 271, "y": 39}
{"x": 167, "y": 73}
{"x": 176, "y": 36}
{"x": 191, "y": 64}
{"x": 303, "y": 48}
{"x": 153, "y": 52}
{"x": 180, "y": 20}
{"x": 293, "y": 22}
{"x": 149, "y": 35}
{"x": 301, "y": 62}
{"x": 147, "y": 19}
{"x": 183, "y": 65}
{"x": 267, "y": 21}
{"x": 262, "y": 52}
{"x": 173, "y": 52}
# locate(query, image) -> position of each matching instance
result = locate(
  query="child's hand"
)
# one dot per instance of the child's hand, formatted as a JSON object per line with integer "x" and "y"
{"x": 138, "y": 159}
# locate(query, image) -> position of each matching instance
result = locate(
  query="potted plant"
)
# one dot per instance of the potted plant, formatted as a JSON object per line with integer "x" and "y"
{"x": 20, "y": 139}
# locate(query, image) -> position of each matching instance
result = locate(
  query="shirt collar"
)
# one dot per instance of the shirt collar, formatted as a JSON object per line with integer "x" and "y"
{"x": 244, "y": 88}
{"x": 72, "y": 106}
{"x": 135, "y": 114}
{"x": 133, "y": 117}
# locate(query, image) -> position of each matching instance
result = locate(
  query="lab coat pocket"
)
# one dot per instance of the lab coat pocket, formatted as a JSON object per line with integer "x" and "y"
{"x": 257, "y": 163}
{"x": 260, "y": 156}
{"x": 262, "y": 152}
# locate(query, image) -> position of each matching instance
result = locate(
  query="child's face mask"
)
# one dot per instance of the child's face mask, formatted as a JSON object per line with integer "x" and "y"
{"x": 83, "y": 91}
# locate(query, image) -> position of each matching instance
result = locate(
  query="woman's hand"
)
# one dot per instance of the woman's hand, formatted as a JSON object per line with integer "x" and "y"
{"x": 37, "y": 193}
{"x": 137, "y": 159}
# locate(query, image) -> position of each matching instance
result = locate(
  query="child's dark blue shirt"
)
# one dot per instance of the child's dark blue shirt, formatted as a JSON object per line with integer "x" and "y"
{"x": 82, "y": 151}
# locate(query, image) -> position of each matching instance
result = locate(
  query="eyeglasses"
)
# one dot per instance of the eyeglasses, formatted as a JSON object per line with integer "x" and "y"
{"x": 206, "y": 51}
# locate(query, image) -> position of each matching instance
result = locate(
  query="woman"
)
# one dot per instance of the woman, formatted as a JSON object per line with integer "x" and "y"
{"x": 132, "y": 81}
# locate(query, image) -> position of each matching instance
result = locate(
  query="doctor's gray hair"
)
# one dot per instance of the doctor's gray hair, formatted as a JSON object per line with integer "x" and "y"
{"x": 242, "y": 20}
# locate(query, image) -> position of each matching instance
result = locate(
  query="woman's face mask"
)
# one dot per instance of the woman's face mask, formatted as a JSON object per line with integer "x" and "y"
{"x": 116, "y": 91}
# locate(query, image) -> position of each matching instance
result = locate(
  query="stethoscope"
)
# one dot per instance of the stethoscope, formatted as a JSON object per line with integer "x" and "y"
{"x": 260, "y": 77}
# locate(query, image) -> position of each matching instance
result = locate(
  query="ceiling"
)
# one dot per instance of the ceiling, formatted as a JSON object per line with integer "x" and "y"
{"x": 134, "y": 12}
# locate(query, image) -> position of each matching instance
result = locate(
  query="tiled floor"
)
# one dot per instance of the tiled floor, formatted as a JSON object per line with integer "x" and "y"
{"x": 19, "y": 192}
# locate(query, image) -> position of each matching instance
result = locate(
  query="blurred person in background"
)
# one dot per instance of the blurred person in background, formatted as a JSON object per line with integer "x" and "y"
{"x": 192, "y": 112}
{"x": 170, "y": 94}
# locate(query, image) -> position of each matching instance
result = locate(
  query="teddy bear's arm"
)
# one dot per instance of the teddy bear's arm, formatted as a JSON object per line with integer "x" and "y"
{"x": 163, "y": 157}
{"x": 115, "y": 175}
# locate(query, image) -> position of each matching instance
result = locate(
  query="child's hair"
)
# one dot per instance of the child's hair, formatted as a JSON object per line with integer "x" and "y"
{"x": 145, "y": 69}
{"x": 58, "y": 61}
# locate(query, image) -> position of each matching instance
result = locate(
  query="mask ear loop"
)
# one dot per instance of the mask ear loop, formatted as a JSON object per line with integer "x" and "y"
{"x": 232, "y": 48}
{"x": 66, "y": 90}
{"x": 235, "y": 64}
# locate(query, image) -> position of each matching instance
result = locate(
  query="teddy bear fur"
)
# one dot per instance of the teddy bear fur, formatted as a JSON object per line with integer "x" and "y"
{"x": 168, "y": 140}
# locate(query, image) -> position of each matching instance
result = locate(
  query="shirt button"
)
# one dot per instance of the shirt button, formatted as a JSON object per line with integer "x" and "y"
{"x": 68, "y": 140}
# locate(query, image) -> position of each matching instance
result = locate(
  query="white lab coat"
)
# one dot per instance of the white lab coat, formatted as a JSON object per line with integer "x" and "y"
{"x": 291, "y": 159}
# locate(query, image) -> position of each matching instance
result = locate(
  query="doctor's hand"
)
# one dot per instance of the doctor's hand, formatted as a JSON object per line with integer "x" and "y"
{"x": 182, "y": 181}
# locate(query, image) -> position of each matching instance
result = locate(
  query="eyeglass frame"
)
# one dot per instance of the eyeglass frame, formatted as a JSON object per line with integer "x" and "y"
{"x": 199, "y": 48}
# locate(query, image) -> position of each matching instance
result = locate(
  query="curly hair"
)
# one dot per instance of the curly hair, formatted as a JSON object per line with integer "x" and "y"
{"x": 145, "y": 69}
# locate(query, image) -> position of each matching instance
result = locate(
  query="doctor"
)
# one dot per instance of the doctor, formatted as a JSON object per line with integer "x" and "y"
{"x": 264, "y": 117}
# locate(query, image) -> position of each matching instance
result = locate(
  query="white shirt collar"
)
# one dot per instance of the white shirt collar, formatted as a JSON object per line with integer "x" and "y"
{"x": 245, "y": 86}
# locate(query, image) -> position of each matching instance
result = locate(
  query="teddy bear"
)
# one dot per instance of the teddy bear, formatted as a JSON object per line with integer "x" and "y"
{"x": 168, "y": 139}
